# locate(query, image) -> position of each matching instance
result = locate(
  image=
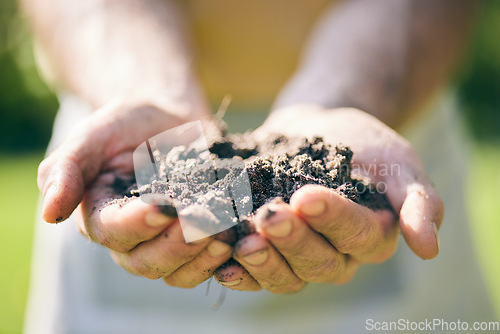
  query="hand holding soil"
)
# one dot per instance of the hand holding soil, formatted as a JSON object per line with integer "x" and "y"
{"x": 322, "y": 236}
{"x": 384, "y": 156}
{"x": 82, "y": 174}
{"x": 319, "y": 236}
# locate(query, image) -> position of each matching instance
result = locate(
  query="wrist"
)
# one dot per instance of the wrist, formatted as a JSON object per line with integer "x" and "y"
{"x": 186, "y": 104}
{"x": 182, "y": 109}
{"x": 312, "y": 86}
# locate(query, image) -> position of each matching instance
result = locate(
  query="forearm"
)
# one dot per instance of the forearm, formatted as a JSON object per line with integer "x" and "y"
{"x": 386, "y": 57}
{"x": 106, "y": 49}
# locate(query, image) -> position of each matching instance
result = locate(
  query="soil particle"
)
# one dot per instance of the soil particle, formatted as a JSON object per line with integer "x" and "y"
{"x": 269, "y": 213}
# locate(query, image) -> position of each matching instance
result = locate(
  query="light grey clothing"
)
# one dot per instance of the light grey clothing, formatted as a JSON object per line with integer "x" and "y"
{"x": 77, "y": 288}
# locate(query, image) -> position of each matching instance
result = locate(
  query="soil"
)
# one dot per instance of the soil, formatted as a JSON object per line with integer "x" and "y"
{"x": 276, "y": 167}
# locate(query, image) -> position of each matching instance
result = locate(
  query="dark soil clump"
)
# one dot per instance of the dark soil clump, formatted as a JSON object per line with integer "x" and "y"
{"x": 276, "y": 167}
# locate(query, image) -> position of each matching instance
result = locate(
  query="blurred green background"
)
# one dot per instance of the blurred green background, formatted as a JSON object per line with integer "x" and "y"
{"x": 27, "y": 109}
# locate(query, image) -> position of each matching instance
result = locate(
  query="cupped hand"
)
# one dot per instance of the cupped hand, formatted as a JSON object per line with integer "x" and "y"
{"x": 322, "y": 236}
{"x": 80, "y": 175}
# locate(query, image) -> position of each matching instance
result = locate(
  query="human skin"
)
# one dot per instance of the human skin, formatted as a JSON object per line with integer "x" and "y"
{"x": 387, "y": 67}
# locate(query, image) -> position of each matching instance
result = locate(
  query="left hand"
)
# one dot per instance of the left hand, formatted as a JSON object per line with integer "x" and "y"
{"x": 323, "y": 237}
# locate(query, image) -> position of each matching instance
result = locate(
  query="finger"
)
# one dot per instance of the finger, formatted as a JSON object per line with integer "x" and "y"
{"x": 123, "y": 227}
{"x": 421, "y": 216}
{"x": 420, "y": 207}
{"x": 65, "y": 173}
{"x": 201, "y": 267}
{"x": 367, "y": 235}
{"x": 233, "y": 276}
{"x": 161, "y": 256}
{"x": 266, "y": 265}
{"x": 119, "y": 226}
{"x": 61, "y": 183}
{"x": 311, "y": 257}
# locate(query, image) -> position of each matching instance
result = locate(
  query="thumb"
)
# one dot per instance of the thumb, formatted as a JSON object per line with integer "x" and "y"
{"x": 421, "y": 212}
{"x": 64, "y": 174}
{"x": 62, "y": 186}
{"x": 420, "y": 218}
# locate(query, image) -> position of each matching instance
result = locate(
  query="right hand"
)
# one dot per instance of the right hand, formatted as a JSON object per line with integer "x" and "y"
{"x": 79, "y": 174}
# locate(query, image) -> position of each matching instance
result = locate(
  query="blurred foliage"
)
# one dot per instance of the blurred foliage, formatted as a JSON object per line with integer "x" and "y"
{"x": 479, "y": 87}
{"x": 18, "y": 200}
{"x": 483, "y": 196}
{"x": 27, "y": 107}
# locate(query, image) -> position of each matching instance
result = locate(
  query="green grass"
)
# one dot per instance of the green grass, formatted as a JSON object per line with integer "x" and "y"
{"x": 484, "y": 206}
{"x": 18, "y": 198}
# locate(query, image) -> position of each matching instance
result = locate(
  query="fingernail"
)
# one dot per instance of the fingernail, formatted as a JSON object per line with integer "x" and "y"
{"x": 51, "y": 191}
{"x": 256, "y": 258}
{"x": 231, "y": 283}
{"x": 436, "y": 234}
{"x": 280, "y": 229}
{"x": 155, "y": 219}
{"x": 47, "y": 198}
{"x": 314, "y": 208}
{"x": 218, "y": 248}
